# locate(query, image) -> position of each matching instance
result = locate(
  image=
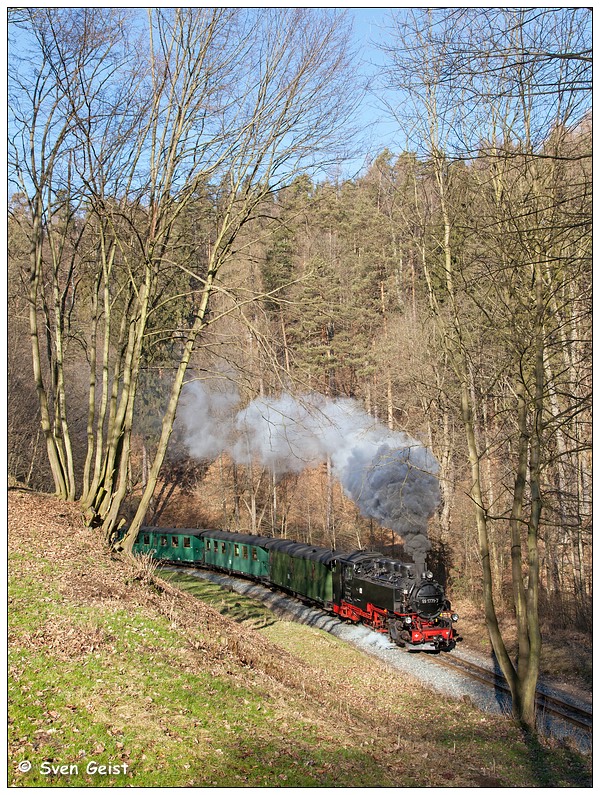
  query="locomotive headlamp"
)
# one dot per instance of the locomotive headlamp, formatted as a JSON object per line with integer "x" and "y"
{"x": 454, "y": 616}
{"x": 408, "y": 620}
{"x": 429, "y": 575}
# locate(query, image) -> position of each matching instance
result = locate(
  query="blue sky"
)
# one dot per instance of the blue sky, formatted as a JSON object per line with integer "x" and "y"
{"x": 369, "y": 30}
{"x": 368, "y": 24}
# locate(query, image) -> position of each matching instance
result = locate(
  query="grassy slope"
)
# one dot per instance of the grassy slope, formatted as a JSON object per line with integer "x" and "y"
{"x": 113, "y": 667}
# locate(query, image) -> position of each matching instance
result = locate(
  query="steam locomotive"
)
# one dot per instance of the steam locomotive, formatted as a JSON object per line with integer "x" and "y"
{"x": 390, "y": 596}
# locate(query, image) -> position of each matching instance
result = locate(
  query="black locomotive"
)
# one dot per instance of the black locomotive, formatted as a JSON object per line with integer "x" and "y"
{"x": 391, "y": 596}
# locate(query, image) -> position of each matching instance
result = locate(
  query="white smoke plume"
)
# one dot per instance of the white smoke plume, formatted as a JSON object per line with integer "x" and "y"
{"x": 390, "y": 476}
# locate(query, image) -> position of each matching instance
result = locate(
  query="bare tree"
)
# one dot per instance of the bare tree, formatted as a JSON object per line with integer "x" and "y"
{"x": 502, "y": 91}
{"x": 217, "y": 106}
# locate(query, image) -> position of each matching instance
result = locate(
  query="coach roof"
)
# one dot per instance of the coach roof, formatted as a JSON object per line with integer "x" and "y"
{"x": 304, "y": 551}
{"x": 180, "y": 531}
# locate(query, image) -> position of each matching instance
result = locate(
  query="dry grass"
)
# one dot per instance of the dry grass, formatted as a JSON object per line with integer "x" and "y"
{"x": 87, "y": 574}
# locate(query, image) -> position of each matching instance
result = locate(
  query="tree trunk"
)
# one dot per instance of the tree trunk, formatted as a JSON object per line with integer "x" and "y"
{"x": 169, "y": 415}
{"x": 54, "y": 459}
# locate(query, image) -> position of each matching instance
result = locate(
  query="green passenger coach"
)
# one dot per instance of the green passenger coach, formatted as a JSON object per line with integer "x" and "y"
{"x": 182, "y": 545}
{"x": 297, "y": 568}
{"x": 236, "y": 552}
{"x": 302, "y": 569}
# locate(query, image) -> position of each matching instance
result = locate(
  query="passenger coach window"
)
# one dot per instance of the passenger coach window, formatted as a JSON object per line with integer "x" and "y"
{"x": 174, "y": 541}
{"x": 208, "y": 545}
{"x": 245, "y": 553}
{"x": 187, "y": 542}
{"x": 254, "y": 555}
{"x": 163, "y": 541}
{"x": 216, "y": 546}
{"x": 237, "y": 550}
{"x": 146, "y": 539}
{"x": 223, "y": 548}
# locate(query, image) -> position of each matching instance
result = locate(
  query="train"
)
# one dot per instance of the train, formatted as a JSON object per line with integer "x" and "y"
{"x": 399, "y": 599}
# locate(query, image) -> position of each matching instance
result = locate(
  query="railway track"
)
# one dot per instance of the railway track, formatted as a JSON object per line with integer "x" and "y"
{"x": 549, "y": 704}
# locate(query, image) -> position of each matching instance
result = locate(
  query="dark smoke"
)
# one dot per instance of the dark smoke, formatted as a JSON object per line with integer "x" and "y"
{"x": 390, "y": 476}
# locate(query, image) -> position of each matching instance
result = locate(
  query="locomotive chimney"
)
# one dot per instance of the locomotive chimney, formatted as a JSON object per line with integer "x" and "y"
{"x": 420, "y": 569}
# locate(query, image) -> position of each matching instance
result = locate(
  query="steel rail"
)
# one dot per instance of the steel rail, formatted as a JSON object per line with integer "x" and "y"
{"x": 558, "y": 707}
